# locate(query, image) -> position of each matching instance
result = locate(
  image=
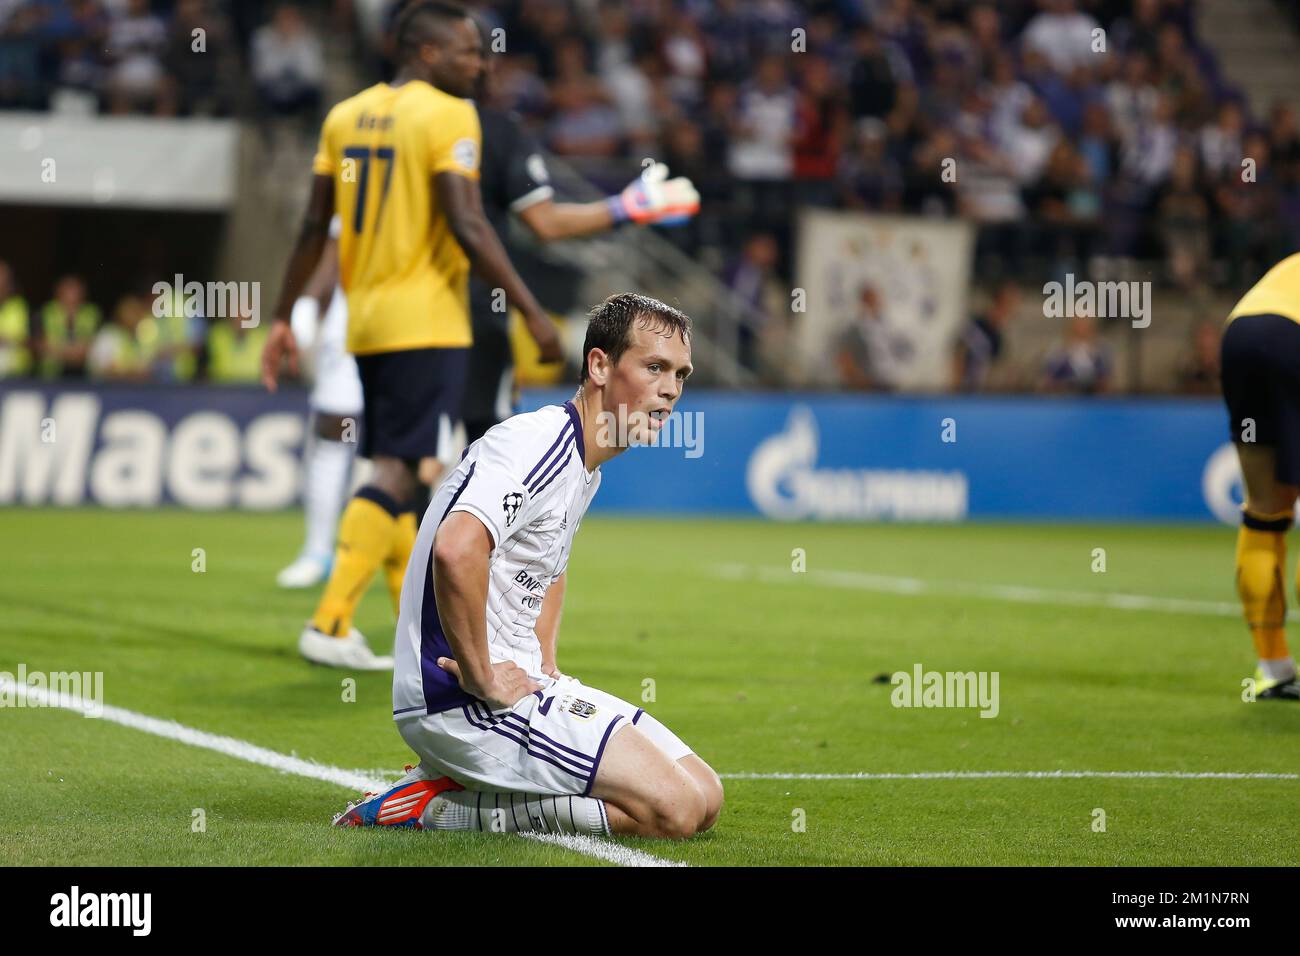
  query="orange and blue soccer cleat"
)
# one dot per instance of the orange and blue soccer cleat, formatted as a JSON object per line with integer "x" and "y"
{"x": 399, "y": 807}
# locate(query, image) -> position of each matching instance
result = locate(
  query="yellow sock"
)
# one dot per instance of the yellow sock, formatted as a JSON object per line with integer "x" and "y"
{"x": 1261, "y": 562}
{"x": 398, "y": 555}
{"x": 365, "y": 538}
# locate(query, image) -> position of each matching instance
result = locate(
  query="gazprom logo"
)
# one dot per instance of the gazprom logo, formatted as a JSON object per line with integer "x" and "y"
{"x": 784, "y": 482}
{"x": 1221, "y": 484}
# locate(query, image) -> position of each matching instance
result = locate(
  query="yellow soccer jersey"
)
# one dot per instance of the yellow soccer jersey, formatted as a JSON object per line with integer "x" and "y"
{"x": 405, "y": 275}
{"x": 1278, "y": 292}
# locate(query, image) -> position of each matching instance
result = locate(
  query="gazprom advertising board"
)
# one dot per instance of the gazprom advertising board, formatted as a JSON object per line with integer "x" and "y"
{"x": 781, "y": 456}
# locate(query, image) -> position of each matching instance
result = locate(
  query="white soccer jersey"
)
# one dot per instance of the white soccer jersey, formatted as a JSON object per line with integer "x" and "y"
{"x": 527, "y": 482}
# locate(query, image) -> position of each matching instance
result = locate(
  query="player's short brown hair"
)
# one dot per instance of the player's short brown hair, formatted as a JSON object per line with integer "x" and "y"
{"x": 610, "y": 325}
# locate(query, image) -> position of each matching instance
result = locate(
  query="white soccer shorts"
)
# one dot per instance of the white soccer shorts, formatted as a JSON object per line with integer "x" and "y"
{"x": 549, "y": 743}
{"x": 338, "y": 386}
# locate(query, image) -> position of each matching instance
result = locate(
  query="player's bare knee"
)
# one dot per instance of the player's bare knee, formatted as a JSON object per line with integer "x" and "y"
{"x": 713, "y": 799}
{"x": 680, "y": 818}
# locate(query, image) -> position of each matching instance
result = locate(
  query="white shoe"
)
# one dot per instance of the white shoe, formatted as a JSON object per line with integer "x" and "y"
{"x": 349, "y": 652}
{"x": 305, "y": 572}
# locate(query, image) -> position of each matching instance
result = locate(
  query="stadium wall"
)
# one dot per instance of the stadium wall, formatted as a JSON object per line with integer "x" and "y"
{"x": 786, "y": 457}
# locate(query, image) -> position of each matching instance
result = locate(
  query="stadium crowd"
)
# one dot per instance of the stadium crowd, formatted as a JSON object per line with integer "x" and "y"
{"x": 145, "y": 338}
{"x": 1079, "y": 130}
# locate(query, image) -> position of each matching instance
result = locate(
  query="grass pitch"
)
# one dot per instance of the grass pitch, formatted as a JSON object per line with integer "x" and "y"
{"x": 762, "y": 669}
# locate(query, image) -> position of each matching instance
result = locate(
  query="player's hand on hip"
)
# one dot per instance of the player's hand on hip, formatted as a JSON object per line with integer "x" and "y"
{"x": 547, "y": 336}
{"x": 280, "y": 345}
{"x": 654, "y": 198}
{"x": 510, "y": 683}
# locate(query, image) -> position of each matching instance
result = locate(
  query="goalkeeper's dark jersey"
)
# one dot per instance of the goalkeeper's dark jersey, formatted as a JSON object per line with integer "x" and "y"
{"x": 513, "y": 177}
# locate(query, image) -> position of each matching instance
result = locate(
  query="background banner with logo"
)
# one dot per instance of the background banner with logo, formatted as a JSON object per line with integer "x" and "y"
{"x": 786, "y": 457}
{"x": 897, "y": 286}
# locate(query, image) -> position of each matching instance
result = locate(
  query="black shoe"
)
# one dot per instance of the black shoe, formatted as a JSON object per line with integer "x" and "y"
{"x": 1283, "y": 690}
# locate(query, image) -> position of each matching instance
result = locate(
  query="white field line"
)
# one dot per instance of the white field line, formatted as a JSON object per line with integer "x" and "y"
{"x": 351, "y": 779}
{"x": 862, "y": 581}
{"x": 1019, "y": 775}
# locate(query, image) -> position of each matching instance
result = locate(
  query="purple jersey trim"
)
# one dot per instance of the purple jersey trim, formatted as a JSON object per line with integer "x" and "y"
{"x": 591, "y": 781}
{"x": 577, "y": 430}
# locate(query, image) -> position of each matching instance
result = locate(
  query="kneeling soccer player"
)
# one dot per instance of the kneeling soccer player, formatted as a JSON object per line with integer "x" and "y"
{"x": 1260, "y": 364}
{"x": 506, "y": 742}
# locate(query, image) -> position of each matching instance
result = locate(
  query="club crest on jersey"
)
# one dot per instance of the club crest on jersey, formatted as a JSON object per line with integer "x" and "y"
{"x": 465, "y": 152}
{"x": 511, "y": 503}
{"x": 583, "y": 710}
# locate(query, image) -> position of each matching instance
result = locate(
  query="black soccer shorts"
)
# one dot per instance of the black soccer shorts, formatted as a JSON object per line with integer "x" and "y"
{"x": 1260, "y": 364}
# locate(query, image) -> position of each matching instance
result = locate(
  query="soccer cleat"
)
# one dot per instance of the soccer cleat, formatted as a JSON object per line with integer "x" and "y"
{"x": 349, "y": 652}
{"x": 305, "y": 572}
{"x": 1266, "y": 689}
{"x": 400, "y": 806}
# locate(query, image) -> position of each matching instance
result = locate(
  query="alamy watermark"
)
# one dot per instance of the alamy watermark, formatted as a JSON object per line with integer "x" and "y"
{"x": 53, "y": 688}
{"x": 213, "y": 300}
{"x": 1104, "y": 300}
{"x": 75, "y": 908}
{"x": 655, "y": 429}
{"x": 922, "y": 688}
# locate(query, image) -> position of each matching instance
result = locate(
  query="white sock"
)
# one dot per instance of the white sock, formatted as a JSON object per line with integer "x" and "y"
{"x": 325, "y": 490}
{"x": 499, "y": 812}
{"x": 1280, "y": 668}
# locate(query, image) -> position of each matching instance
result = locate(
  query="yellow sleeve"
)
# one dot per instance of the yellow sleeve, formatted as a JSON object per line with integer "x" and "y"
{"x": 457, "y": 143}
{"x": 326, "y": 162}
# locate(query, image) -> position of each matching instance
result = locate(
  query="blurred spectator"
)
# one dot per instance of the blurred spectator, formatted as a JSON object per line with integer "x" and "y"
{"x": 979, "y": 345}
{"x": 15, "y": 328}
{"x": 288, "y": 64}
{"x": 818, "y": 134}
{"x": 1132, "y": 97}
{"x": 1062, "y": 34}
{"x": 748, "y": 278}
{"x": 1183, "y": 217}
{"x": 583, "y": 121}
{"x": 1199, "y": 373}
{"x": 632, "y": 91}
{"x": 870, "y": 178}
{"x": 984, "y": 26}
{"x": 1149, "y": 155}
{"x": 68, "y": 325}
{"x": 235, "y": 352}
{"x": 1283, "y": 139}
{"x": 81, "y": 50}
{"x": 1030, "y": 142}
{"x": 761, "y": 157}
{"x": 1220, "y": 143}
{"x": 1248, "y": 203}
{"x": 202, "y": 70}
{"x": 1081, "y": 363}
{"x": 123, "y": 349}
{"x": 683, "y": 52}
{"x": 136, "y": 43}
{"x": 20, "y": 55}
{"x": 1140, "y": 30}
{"x": 866, "y": 352}
{"x": 1097, "y": 146}
{"x": 177, "y": 338}
{"x": 876, "y": 75}
{"x": 1066, "y": 206}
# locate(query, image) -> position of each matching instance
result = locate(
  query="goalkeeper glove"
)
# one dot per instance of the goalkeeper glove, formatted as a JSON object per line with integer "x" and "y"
{"x": 654, "y": 198}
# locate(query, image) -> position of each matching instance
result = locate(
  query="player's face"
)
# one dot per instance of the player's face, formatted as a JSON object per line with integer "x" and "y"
{"x": 460, "y": 61}
{"x": 648, "y": 380}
